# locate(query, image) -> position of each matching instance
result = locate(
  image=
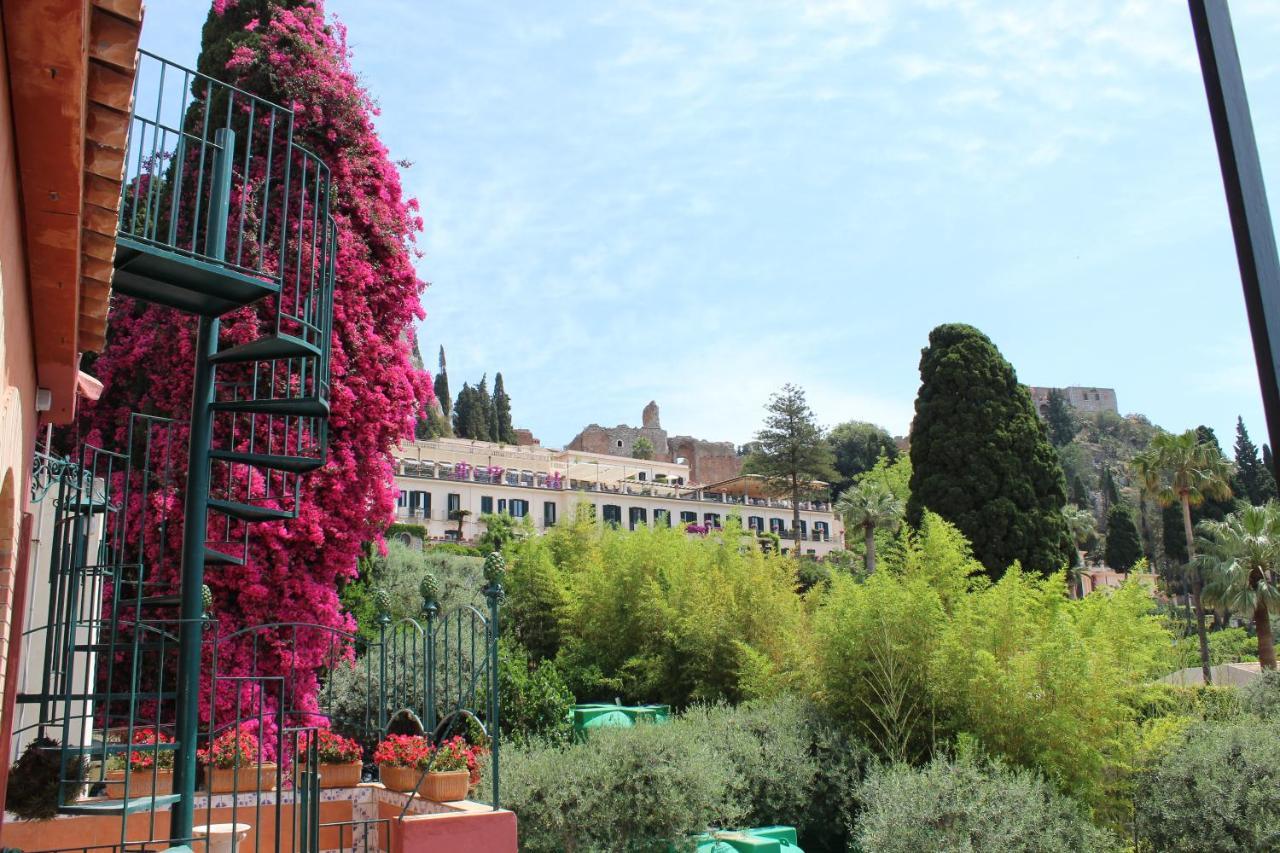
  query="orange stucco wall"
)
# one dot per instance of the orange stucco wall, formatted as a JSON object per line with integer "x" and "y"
{"x": 74, "y": 832}
{"x": 17, "y": 362}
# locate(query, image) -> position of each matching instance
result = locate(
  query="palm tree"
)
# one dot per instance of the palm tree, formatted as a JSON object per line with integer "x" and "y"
{"x": 1182, "y": 469}
{"x": 870, "y": 505}
{"x": 1239, "y": 557}
{"x": 1080, "y": 524}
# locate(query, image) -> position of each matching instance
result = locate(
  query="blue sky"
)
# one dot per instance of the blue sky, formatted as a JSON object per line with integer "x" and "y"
{"x": 697, "y": 202}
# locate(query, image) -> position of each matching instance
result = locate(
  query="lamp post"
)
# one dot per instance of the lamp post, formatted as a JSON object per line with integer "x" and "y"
{"x": 1246, "y": 194}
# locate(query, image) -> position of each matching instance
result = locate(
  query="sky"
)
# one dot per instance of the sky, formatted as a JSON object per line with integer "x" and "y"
{"x": 697, "y": 202}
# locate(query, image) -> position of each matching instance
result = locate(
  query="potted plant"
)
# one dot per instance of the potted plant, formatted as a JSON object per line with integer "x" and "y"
{"x": 234, "y": 763}
{"x": 339, "y": 759}
{"x": 398, "y": 758}
{"x": 149, "y": 771}
{"x": 450, "y": 776}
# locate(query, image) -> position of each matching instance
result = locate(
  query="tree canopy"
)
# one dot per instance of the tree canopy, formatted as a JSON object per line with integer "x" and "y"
{"x": 1124, "y": 546}
{"x": 792, "y": 450}
{"x": 857, "y": 446}
{"x": 1060, "y": 419}
{"x": 981, "y": 457}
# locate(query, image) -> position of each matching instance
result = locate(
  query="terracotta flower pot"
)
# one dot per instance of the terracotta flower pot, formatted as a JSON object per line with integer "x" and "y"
{"x": 247, "y": 777}
{"x": 395, "y": 778}
{"x": 140, "y": 783}
{"x": 446, "y": 786}
{"x": 340, "y": 775}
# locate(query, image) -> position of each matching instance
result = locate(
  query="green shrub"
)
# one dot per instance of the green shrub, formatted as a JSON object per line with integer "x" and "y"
{"x": 1230, "y": 645}
{"x": 1262, "y": 696}
{"x": 760, "y": 764}
{"x": 1217, "y": 788}
{"x": 660, "y": 616}
{"x": 964, "y": 805}
{"x": 641, "y": 789}
{"x": 535, "y": 699}
{"x": 768, "y": 746}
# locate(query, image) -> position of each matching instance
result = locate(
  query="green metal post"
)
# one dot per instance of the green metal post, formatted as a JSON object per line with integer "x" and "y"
{"x": 383, "y": 621}
{"x": 494, "y": 594}
{"x": 195, "y": 517}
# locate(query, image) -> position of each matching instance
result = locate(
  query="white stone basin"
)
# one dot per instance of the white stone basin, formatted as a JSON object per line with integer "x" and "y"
{"x": 222, "y": 837}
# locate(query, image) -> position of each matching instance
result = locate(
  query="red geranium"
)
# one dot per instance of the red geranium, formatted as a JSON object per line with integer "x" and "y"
{"x": 332, "y": 748}
{"x": 403, "y": 751}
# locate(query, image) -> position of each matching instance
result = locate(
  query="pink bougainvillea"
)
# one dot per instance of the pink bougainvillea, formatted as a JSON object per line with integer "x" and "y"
{"x": 286, "y": 52}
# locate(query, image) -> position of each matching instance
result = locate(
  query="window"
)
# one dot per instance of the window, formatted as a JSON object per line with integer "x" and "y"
{"x": 454, "y": 502}
{"x": 662, "y": 518}
{"x": 775, "y": 525}
{"x": 424, "y": 501}
{"x": 548, "y": 513}
{"x": 502, "y": 505}
{"x": 619, "y": 442}
{"x": 519, "y": 508}
{"x": 804, "y": 528}
{"x": 755, "y": 522}
{"x": 688, "y": 518}
{"x": 640, "y": 476}
{"x": 613, "y": 514}
{"x": 486, "y": 504}
{"x": 711, "y": 519}
{"x": 820, "y": 531}
{"x": 402, "y": 499}
{"x": 638, "y": 516}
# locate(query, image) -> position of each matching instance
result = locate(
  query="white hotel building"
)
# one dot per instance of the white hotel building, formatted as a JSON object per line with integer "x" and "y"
{"x": 447, "y": 484}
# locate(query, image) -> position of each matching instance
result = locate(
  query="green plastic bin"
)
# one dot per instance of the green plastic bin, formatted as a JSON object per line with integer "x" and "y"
{"x": 763, "y": 839}
{"x": 594, "y": 715}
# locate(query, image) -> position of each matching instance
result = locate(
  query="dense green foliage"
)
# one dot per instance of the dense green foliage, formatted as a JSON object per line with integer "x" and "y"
{"x": 500, "y": 426}
{"x": 1059, "y": 419}
{"x": 469, "y": 415}
{"x": 928, "y": 649}
{"x": 1257, "y": 484}
{"x": 1215, "y": 788}
{"x": 651, "y": 787}
{"x": 400, "y": 572}
{"x": 535, "y": 699}
{"x": 656, "y": 614}
{"x": 642, "y": 448}
{"x": 963, "y": 805}
{"x": 981, "y": 458}
{"x": 856, "y": 447}
{"x": 1238, "y": 559}
{"x": 866, "y": 507}
{"x": 1124, "y": 546}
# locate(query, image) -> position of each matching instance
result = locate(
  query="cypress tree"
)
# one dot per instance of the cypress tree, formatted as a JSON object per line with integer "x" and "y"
{"x": 1269, "y": 488}
{"x": 486, "y": 423}
{"x": 1059, "y": 419}
{"x": 1110, "y": 491}
{"x": 442, "y": 387}
{"x": 981, "y": 456}
{"x": 468, "y": 419}
{"x": 1080, "y": 494}
{"x": 1215, "y": 509}
{"x": 1174, "y": 536}
{"x": 503, "y": 429}
{"x": 1124, "y": 547}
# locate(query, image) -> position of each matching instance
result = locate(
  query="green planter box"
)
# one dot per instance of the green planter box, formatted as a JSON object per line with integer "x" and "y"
{"x": 596, "y": 715}
{"x": 764, "y": 839}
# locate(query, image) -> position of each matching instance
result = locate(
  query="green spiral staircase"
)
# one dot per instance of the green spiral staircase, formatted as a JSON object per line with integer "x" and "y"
{"x": 222, "y": 211}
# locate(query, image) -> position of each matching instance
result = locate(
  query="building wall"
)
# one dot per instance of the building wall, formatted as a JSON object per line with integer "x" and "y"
{"x": 708, "y": 461}
{"x": 1088, "y": 400}
{"x": 17, "y": 363}
{"x": 620, "y": 440}
{"x": 427, "y": 476}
